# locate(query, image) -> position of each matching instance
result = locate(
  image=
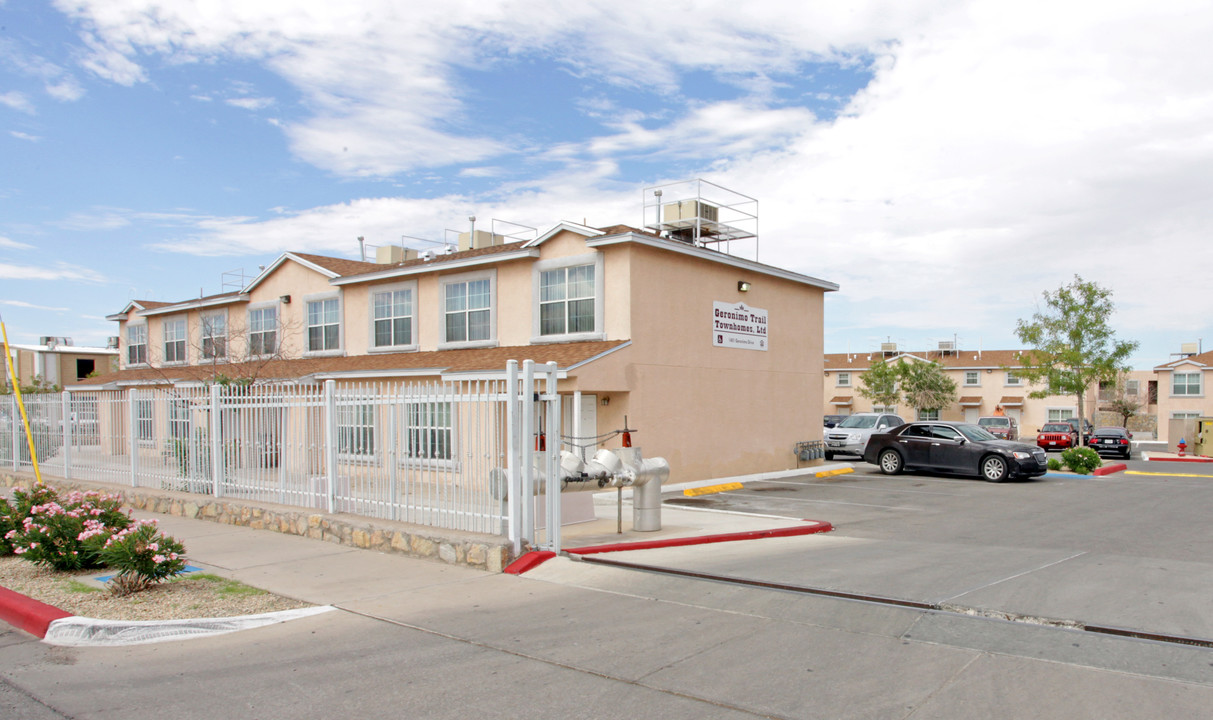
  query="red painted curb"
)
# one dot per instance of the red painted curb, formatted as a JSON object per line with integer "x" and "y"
{"x": 30, "y": 615}
{"x": 1109, "y": 469}
{"x": 1180, "y": 459}
{"x": 528, "y": 561}
{"x": 814, "y": 526}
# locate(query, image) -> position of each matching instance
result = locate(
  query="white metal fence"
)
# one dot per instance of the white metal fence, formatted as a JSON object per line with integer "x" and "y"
{"x": 444, "y": 454}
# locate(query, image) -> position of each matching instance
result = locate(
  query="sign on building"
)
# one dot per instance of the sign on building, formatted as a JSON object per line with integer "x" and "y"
{"x": 739, "y": 326}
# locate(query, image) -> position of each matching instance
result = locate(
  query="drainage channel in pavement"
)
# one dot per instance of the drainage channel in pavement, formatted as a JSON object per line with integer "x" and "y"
{"x": 897, "y": 602}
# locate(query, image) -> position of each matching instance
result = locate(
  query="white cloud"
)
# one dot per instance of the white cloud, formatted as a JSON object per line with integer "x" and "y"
{"x": 17, "y": 101}
{"x": 250, "y": 103}
{"x": 58, "y": 271}
{"x": 13, "y": 244}
{"x": 31, "y": 306}
{"x": 24, "y": 136}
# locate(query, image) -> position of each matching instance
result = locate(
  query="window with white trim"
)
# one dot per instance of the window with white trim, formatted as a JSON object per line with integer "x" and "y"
{"x": 356, "y": 429}
{"x": 1013, "y": 379}
{"x": 843, "y": 380}
{"x": 1060, "y": 414}
{"x": 467, "y": 310}
{"x": 1187, "y": 383}
{"x": 566, "y": 300}
{"x": 214, "y": 336}
{"x": 890, "y": 409}
{"x": 174, "y": 340}
{"x": 263, "y": 331}
{"x": 1132, "y": 387}
{"x": 972, "y": 378}
{"x": 392, "y": 318}
{"x": 1185, "y": 415}
{"x": 928, "y": 414}
{"x": 136, "y": 344}
{"x": 145, "y": 427}
{"x": 430, "y": 428}
{"x": 324, "y": 325}
{"x": 179, "y": 419}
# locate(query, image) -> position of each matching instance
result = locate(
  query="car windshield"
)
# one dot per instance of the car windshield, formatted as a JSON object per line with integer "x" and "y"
{"x": 986, "y": 422}
{"x": 1056, "y": 427}
{"x": 975, "y": 433}
{"x": 858, "y": 421}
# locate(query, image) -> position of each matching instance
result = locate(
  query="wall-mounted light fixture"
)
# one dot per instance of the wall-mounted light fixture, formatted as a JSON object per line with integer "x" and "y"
{"x": 743, "y": 286}
{"x": 988, "y": 371}
{"x": 286, "y": 299}
{"x": 606, "y": 400}
{"x": 827, "y": 373}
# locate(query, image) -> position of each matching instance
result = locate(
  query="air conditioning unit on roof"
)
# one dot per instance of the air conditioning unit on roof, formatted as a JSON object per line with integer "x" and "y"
{"x": 947, "y": 346}
{"x": 889, "y": 347}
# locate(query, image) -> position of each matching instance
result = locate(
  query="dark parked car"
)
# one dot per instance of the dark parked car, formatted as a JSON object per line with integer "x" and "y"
{"x": 1111, "y": 440}
{"x": 1087, "y": 427}
{"x": 832, "y": 420}
{"x": 954, "y": 448}
{"x": 1057, "y": 436}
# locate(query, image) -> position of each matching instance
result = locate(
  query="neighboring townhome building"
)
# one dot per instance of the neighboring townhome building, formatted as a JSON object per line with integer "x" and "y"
{"x": 712, "y": 359}
{"x": 58, "y": 362}
{"x": 986, "y": 384}
{"x": 1183, "y": 385}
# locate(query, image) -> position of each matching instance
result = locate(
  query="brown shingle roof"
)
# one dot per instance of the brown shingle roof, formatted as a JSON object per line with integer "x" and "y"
{"x": 958, "y": 359}
{"x": 340, "y": 266}
{"x": 449, "y": 361}
{"x": 436, "y": 262}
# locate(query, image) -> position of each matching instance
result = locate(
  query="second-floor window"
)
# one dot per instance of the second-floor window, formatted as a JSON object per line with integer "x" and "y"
{"x": 214, "y": 336}
{"x": 1185, "y": 383}
{"x": 174, "y": 340}
{"x": 136, "y": 344}
{"x": 263, "y": 331}
{"x": 1013, "y": 379}
{"x": 468, "y": 311}
{"x": 393, "y": 318}
{"x": 566, "y": 300}
{"x": 844, "y": 379}
{"x": 324, "y": 325}
{"x": 972, "y": 378}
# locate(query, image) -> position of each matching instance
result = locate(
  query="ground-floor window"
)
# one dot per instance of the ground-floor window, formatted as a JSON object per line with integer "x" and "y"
{"x": 356, "y": 429}
{"x": 928, "y": 414}
{"x": 1060, "y": 414}
{"x": 890, "y": 409}
{"x": 1185, "y": 415}
{"x": 145, "y": 428}
{"x": 430, "y": 428}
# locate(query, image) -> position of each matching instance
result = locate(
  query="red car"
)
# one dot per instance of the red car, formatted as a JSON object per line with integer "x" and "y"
{"x": 1057, "y": 436}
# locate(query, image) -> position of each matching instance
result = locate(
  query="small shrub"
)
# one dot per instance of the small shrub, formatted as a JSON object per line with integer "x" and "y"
{"x": 1054, "y": 464}
{"x": 142, "y": 557}
{"x": 66, "y": 533}
{"x": 1081, "y": 460}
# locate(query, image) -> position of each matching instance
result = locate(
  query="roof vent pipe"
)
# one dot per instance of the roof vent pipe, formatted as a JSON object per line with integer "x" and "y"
{"x": 362, "y": 247}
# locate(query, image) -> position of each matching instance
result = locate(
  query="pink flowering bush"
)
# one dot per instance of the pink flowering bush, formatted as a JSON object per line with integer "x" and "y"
{"x": 65, "y": 533}
{"x": 143, "y": 556}
{"x": 12, "y": 513}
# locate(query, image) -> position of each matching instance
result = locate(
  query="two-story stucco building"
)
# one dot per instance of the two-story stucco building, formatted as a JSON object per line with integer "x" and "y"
{"x": 712, "y": 359}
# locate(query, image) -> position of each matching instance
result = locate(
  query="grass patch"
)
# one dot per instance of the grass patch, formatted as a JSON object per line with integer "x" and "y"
{"x": 75, "y": 586}
{"x": 228, "y": 587}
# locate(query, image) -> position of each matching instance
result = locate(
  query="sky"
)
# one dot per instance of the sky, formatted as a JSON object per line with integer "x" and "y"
{"x": 944, "y": 162}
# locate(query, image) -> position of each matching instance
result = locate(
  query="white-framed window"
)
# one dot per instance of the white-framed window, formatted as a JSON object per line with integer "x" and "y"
{"x": 972, "y": 378}
{"x": 1185, "y": 415}
{"x": 1059, "y": 414}
{"x": 174, "y": 340}
{"x": 1132, "y": 387}
{"x": 468, "y": 314}
{"x": 393, "y": 325}
{"x": 890, "y": 409}
{"x": 1186, "y": 383}
{"x": 136, "y": 344}
{"x": 263, "y": 330}
{"x": 1013, "y": 379}
{"x": 145, "y": 425}
{"x": 356, "y": 429}
{"x": 323, "y": 324}
{"x": 214, "y": 336}
{"x": 928, "y": 414}
{"x": 430, "y": 431}
{"x": 567, "y": 298}
{"x": 843, "y": 380}
{"x": 179, "y": 419}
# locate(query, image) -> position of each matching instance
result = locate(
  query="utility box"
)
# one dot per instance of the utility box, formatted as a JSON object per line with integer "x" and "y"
{"x": 1202, "y": 439}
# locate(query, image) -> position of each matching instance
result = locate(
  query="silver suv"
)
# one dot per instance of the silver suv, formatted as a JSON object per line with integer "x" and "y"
{"x": 851, "y": 435}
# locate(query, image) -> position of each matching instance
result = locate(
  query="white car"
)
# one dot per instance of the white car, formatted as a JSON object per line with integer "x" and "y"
{"x": 850, "y": 436}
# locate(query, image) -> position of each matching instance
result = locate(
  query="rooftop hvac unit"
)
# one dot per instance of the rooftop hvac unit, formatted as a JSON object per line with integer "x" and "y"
{"x": 690, "y": 210}
{"x": 947, "y": 346}
{"x": 53, "y": 341}
{"x": 1189, "y": 348}
{"x": 888, "y": 348}
{"x": 111, "y": 342}
{"x": 392, "y": 254}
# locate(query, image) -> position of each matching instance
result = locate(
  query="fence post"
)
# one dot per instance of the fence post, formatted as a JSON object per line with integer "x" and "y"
{"x": 552, "y": 457}
{"x": 15, "y": 421}
{"x": 513, "y": 477}
{"x": 67, "y": 434}
{"x": 330, "y": 442}
{"x": 216, "y": 429}
{"x": 132, "y": 395}
{"x": 526, "y": 460}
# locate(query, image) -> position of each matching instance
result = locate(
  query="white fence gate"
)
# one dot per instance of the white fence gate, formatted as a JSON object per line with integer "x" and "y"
{"x": 458, "y": 455}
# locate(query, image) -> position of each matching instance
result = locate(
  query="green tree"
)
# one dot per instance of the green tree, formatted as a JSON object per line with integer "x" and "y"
{"x": 879, "y": 383}
{"x": 1072, "y": 344}
{"x": 925, "y": 386}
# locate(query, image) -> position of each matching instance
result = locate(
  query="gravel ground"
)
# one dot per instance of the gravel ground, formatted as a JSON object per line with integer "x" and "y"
{"x": 193, "y": 595}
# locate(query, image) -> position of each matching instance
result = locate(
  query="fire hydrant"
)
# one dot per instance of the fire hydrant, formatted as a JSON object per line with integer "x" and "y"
{"x": 1182, "y": 446}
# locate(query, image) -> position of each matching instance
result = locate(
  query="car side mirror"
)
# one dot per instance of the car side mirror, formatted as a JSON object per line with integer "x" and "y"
{"x": 960, "y": 441}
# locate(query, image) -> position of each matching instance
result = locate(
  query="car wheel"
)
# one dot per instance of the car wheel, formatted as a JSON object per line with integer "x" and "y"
{"x": 993, "y": 468}
{"x": 829, "y": 455}
{"x": 890, "y": 462}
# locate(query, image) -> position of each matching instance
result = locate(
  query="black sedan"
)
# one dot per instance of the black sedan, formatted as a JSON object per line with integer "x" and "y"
{"x": 1111, "y": 440}
{"x": 954, "y": 448}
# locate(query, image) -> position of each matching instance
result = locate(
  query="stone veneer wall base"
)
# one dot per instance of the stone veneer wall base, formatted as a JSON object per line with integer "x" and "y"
{"x": 483, "y": 552}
